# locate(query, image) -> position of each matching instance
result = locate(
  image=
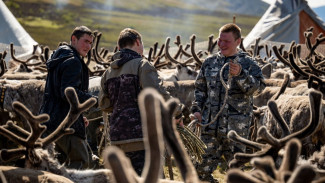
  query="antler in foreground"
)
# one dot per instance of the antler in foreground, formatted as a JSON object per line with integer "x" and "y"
{"x": 155, "y": 113}
{"x": 272, "y": 145}
{"x": 266, "y": 172}
{"x": 33, "y": 139}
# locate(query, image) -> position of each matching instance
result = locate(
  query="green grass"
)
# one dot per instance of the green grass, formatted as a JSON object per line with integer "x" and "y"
{"x": 155, "y": 20}
{"x": 39, "y": 22}
{"x": 217, "y": 174}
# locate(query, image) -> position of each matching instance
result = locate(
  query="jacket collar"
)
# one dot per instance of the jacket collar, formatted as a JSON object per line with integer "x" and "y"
{"x": 123, "y": 56}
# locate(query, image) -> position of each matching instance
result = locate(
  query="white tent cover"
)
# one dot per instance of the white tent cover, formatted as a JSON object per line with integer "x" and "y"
{"x": 281, "y": 22}
{"x": 12, "y": 32}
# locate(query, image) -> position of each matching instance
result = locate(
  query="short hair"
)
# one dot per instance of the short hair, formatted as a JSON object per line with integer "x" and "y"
{"x": 231, "y": 27}
{"x": 128, "y": 37}
{"x": 80, "y": 31}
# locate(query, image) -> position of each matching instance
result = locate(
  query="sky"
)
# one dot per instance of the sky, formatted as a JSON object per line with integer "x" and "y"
{"x": 311, "y": 3}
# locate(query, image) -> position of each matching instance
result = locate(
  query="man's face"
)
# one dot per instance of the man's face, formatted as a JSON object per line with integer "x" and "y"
{"x": 82, "y": 45}
{"x": 228, "y": 44}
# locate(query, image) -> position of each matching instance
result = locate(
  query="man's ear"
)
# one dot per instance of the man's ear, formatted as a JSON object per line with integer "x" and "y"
{"x": 137, "y": 42}
{"x": 73, "y": 38}
{"x": 238, "y": 41}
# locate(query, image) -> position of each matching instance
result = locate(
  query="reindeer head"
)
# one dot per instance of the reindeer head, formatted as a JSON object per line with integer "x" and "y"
{"x": 31, "y": 141}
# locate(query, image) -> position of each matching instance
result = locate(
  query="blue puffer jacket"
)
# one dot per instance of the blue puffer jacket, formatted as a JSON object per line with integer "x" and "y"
{"x": 65, "y": 69}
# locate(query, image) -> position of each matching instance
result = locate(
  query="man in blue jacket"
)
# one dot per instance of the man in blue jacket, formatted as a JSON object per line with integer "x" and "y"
{"x": 66, "y": 68}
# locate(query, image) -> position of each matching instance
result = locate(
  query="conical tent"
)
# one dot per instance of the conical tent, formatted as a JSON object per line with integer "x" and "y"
{"x": 12, "y": 32}
{"x": 286, "y": 21}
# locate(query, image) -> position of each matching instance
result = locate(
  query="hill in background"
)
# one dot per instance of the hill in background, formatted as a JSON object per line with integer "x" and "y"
{"x": 50, "y": 22}
{"x": 238, "y": 7}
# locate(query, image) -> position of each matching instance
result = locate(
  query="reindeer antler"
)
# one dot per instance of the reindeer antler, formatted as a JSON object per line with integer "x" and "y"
{"x": 29, "y": 143}
{"x": 168, "y": 56}
{"x": 33, "y": 139}
{"x": 75, "y": 110}
{"x": 196, "y": 58}
{"x": 266, "y": 171}
{"x": 154, "y": 112}
{"x": 12, "y": 51}
{"x": 273, "y": 145}
{"x": 212, "y": 44}
{"x": 151, "y": 116}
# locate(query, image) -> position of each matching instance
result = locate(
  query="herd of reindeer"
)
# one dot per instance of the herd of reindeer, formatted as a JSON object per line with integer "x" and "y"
{"x": 287, "y": 133}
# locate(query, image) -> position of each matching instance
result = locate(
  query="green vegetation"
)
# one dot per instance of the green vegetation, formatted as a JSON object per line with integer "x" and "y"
{"x": 50, "y": 22}
{"x": 39, "y": 22}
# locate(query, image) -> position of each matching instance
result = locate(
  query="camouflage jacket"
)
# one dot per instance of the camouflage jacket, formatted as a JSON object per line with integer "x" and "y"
{"x": 120, "y": 86}
{"x": 209, "y": 92}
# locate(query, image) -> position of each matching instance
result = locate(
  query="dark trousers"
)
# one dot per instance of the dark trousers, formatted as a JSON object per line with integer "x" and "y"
{"x": 75, "y": 149}
{"x": 137, "y": 160}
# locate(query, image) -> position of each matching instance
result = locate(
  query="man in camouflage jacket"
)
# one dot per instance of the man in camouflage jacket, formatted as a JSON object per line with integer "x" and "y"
{"x": 209, "y": 97}
{"x": 120, "y": 86}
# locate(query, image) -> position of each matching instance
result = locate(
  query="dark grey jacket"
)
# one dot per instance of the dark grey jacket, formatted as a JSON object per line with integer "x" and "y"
{"x": 65, "y": 69}
{"x": 120, "y": 87}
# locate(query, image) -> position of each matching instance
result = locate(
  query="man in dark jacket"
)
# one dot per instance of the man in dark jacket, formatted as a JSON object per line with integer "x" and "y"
{"x": 120, "y": 86}
{"x": 66, "y": 68}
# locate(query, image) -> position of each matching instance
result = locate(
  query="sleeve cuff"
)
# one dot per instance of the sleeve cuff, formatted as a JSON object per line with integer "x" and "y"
{"x": 195, "y": 109}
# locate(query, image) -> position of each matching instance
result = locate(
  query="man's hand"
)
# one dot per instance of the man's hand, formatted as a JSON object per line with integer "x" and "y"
{"x": 196, "y": 115}
{"x": 86, "y": 121}
{"x": 180, "y": 122}
{"x": 234, "y": 68}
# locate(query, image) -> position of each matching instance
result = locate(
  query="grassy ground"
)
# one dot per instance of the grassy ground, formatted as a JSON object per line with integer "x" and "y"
{"x": 218, "y": 174}
{"x": 50, "y": 22}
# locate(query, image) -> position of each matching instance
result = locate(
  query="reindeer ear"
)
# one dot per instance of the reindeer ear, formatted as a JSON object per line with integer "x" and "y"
{"x": 267, "y": 70}
{"x": 179, "y": 67}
